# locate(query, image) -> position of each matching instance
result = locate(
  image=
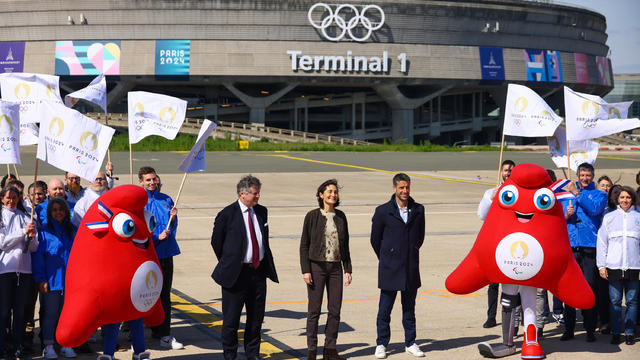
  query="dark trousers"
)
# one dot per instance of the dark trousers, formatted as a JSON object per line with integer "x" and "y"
{"x": 111, "y": 337}
{"x": 586, "y": 259}
{"x": 602, "y": 301}
{"x": 329, "y": 275}
{"x": 14, "y": 290}
{"x": 29, "y": 310}
{"x": 387, "y": 298}
{"x": 52, "y": 301}
{"x": 249, "y": 291}
{"x": 164, "y": 329}
{"x": 557, "y": 306}
{"x": 492, "y": 296}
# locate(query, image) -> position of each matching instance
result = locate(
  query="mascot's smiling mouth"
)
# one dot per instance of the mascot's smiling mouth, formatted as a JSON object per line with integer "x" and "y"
{"x": 523, "y": 218}
{"x": 141, "y": 244}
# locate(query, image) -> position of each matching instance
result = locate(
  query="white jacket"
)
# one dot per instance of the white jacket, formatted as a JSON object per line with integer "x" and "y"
{"x": 485, "y": 203}
{"x": 13, "y": 257}
{"x": 618, "y": 245}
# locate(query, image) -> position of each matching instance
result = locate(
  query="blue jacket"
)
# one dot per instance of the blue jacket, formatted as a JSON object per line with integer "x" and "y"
{"x": 584, "y": 224}
{"x": 49, "y": 263}
{"x": 397, "y": 245}
{"x": 160, "y": 205}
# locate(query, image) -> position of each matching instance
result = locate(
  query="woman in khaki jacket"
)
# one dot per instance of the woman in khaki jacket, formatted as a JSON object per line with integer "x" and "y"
{"x": 324, "y": 254}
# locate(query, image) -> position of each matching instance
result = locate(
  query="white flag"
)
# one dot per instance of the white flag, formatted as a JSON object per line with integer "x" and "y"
{"x": 581, "y": 150}
{"x": 71, "y": 141}
{"x": 154, "y": 114}
{"x": 96, "y": 93}
{"x": 9, "y": 132}
{"x": 590, "y": 117}
{"x": 30, "y": 90}
{"x": 28, "y": 134}
{"x": 527, "y": 114}
{"x": 195, "y": 159}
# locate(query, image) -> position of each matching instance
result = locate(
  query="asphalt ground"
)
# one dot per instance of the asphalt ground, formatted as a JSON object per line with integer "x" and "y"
{"x": 450, "y": 185}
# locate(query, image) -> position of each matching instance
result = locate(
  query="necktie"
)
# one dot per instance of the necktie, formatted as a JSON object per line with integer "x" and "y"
{"x": 255, "y": 250}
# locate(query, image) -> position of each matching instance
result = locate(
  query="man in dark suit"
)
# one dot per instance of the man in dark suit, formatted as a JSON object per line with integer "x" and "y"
{"x": 397, "y": 232}
{"x": 240, "y": 241}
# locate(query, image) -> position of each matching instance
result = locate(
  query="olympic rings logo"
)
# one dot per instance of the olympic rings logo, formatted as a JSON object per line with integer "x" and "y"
{"x": 346, "y": 26}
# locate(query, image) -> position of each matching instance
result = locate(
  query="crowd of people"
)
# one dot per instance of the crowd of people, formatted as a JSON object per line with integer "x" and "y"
{"x": 36, "y": 236}
{"x": 603, "y": 223}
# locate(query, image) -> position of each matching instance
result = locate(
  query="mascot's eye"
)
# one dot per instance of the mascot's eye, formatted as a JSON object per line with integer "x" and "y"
{"x": 150, "y": 219}
{"x": 508, "y": 195}
{"x": 123, "y": 225}
{"x": 544, "y": 199}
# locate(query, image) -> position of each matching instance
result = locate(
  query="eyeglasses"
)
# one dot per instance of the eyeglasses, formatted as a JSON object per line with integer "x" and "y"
{"x": 101, "y": 179}
{"x": 74, "y": 178}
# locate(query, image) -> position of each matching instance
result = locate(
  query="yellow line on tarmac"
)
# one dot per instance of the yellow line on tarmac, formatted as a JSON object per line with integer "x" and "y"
{"x": 212, "y": 321}
{"x": 618, "y": 158}
{"x": 380, "y": 170}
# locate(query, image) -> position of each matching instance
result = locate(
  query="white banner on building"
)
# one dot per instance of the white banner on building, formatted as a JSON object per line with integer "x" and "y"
{"x": 9, "y": 132}
{"x": 30, "y": 90}
{"x": 590, "y": 117}
{"x": 527, "y": 114}
{"x": 154, "y": 114}
{"x": 581, "y": 150}
{"x": 96, "y": 93}
{"x": 71, "y": 141}
{"x": 195, "y": 160}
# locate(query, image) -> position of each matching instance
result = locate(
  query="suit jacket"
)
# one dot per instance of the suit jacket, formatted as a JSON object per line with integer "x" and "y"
{"x": 397, "y": 245}
{"x": 229, "y": 242}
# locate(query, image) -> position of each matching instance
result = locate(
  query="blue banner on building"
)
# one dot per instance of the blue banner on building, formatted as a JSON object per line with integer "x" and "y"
{"x": 534, "y": 61}
{"x": 491, "y": 63}
{"x": 172, "y": 57}
{"x": 554, "y": 66}
{"x": 11, "y": 56}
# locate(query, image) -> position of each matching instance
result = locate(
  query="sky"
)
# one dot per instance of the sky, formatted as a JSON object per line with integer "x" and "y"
{"x": 623, "y": 29}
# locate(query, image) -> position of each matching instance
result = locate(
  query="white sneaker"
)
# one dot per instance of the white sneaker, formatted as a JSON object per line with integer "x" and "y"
{"x": 414, "y": 350}
{"x": 68, "y": 352}
{"x": 49, "y": 352}
{"x": 381, "y": 352}
{"x": 169, "y": 342}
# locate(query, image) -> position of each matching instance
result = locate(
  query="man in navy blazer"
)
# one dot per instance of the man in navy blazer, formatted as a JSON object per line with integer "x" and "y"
{"x": 397, "y": 232}
{"x": 240, "y": 241}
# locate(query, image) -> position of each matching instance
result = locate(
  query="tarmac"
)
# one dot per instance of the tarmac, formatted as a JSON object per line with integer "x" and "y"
{"x": 450, "y": 186}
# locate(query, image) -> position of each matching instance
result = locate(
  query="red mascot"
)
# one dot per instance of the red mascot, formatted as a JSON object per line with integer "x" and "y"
{"x": 113, "y": 274}
{"x": 524, "y": 245}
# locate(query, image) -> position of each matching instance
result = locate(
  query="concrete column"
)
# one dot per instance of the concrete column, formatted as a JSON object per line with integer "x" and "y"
{"x": 257, "y": 115}
{"x": 258, "y": 105}
{"x": 402, "y": 125}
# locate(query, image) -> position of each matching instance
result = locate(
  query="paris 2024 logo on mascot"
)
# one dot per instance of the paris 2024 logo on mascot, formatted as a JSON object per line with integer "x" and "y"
{"x": 113, "y": 274}
{"x": 523, "y": 244}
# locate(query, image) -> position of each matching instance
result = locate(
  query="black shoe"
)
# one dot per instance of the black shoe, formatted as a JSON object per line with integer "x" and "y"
{"x": 615, "y": 339}
{"x": 489, "y": 323}
{"x": 84, "y": 349}
{"x": 591, "y": 337}
{"x": 567, "y": 335}
{"x": 629, "y": 340}
{"x": 605, "y": 329}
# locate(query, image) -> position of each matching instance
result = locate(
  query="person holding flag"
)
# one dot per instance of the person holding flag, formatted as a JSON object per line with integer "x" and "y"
{"x": 584, "y": 216}
{"x": 164, "y": 240}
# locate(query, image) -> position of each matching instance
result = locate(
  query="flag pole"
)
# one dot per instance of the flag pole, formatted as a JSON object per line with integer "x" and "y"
{"x": 15, "y": 168}
{"x": 8, "y": 170}
{"x": 500, "y": 161}
{"x": 130, "y": 164}
{"x": 569, "y": 165}
{"x": 175, "y": 203}
{"x": 35, "y": 178}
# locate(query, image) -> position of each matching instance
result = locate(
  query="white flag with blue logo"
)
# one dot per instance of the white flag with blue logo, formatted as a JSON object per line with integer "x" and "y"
{"x": 589, "y": 116}
{"x": 71, "y": 141}
{"x": 95, "y": 92}
{"x": 581, "y": 150}
{"x": 9, "y": 132}
{"x": 30, "y": 90}
{"x": 195, "y": 160}
{"x": 527, "y": 114}
{"x": 154, "y": 114}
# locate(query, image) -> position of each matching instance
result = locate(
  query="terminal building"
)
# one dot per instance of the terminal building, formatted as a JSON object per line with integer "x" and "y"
{"x": 402, "y": 70}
